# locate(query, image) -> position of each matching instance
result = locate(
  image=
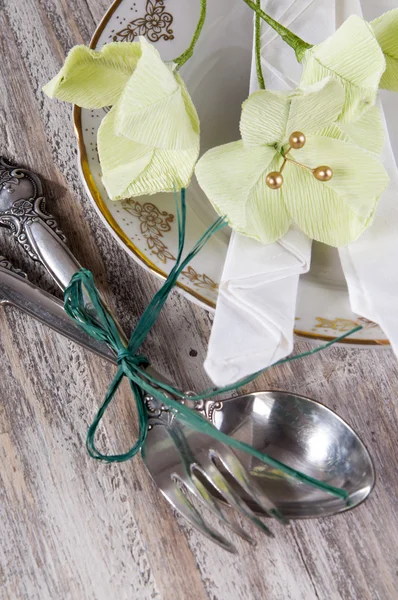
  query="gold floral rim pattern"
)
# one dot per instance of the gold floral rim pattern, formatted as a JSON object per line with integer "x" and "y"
{"x": 200, "y": 281}
{"x": 343, "y": 325}
{"x": 155, "y": 25}
{"x": 153, "y": 223}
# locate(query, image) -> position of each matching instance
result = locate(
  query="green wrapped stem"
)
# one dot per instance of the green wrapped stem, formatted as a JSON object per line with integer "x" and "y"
{"x": 182, "y": 59}
{"x": 257, "y": 48}
{"x": 294, "y": 41}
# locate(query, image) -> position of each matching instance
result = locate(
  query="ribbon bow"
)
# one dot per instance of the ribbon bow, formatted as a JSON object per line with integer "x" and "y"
{"x": 96, "y": 320}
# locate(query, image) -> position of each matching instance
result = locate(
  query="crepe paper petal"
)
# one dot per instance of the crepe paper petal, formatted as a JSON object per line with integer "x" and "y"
{"x": 94, "y": 79}
{"x": 228, "y": 175}
{"x": 267, "y": 219}
{"x": 315, "y": 107}
{"x": 367, "y": 132}
{"x": 122, "y": 160}
{"x": 264, "y": 116}
{"x": 133, "y": 169}
{"x": 353, "y": 56}
{"x": 327, "y": 218}
{"x": 334, "y": 212}
{"x": 386, "y": 31}
{"x": 155, "y": 108}
{"x": 357, "y": 175}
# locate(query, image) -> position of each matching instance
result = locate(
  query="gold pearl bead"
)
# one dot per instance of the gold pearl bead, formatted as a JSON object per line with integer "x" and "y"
{"x": 323, "y": 173}
{"x": 274, "y": 180}
{"x": 297, "y": 140}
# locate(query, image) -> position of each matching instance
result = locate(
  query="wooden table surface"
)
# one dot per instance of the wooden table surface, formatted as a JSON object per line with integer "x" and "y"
{"x": 72, "y": 528}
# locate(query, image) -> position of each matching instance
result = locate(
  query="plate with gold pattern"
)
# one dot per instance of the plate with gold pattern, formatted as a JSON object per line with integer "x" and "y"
{"x": 146, "y": 226}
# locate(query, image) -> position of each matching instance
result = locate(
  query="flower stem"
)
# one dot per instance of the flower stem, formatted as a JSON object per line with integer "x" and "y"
{"x": 182, "y": 59}
{"x": 295, "y": 42}
{"x": 257, "y": 34}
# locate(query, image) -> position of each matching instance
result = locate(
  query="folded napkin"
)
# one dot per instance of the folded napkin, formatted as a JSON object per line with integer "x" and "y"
{"x": 255, "y": 313}
{"x": 370, "y": 263}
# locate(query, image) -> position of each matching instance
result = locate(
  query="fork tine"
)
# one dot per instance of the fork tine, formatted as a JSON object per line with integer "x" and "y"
{"x": 234, "y": 467}
{"x": 217, "y": 480}
{"x": 181, "y": 503}
{"x": 200, "y": 491}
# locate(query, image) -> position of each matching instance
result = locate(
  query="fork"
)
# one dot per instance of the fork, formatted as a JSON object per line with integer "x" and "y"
{"x": 172, "y": 451}
{"x": 177, "y": 457}
{"x": 182, "y": 460}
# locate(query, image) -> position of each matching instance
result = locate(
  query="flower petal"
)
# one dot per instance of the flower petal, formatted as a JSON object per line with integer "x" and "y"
{"x": 264, "y": 116}
{"x": 334, "y": 212}
{"x": 267, "y": 219}
{"x": 94, "y": 79}
{"x": 353, "y": 56}
{"x": 386, "y": 31}
{"x": 327, "y": 218}
{"x": 315, "y": 107}
{"x": 155, "y": 108}
{"x": 357, "y": 176}
{"x": 121, "y": 160}
{"x": 228, "y": 174}
{"x": 132, "y": 169}
{"x": 367, "y": 132}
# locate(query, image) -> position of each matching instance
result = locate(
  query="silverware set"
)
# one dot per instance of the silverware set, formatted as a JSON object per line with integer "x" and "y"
{"x": 292, "y": 429}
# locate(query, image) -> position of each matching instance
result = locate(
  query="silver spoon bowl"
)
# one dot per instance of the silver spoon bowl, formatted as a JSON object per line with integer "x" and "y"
{"x": 306, "y": 436}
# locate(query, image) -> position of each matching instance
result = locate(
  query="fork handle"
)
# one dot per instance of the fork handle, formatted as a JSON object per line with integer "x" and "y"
{"x": 49, "y": 248}
{"x": 52, "y": 252}
{"x": 23, "y": 211}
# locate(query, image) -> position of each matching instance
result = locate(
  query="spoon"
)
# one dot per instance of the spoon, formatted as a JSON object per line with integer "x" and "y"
{"x": 293, "y": 429}
{"x": 305, "y": 435}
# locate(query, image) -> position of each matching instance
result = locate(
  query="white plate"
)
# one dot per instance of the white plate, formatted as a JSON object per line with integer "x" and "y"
{"x": 218, "y": 80}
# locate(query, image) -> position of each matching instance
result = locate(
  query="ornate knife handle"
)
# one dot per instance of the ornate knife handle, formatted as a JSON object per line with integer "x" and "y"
{"x": 22, "y": 210}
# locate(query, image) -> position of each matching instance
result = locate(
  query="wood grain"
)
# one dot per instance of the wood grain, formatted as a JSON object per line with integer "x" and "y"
{"x": 74, "y": 529}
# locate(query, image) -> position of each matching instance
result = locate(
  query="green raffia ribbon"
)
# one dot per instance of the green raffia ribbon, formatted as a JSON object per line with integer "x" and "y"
{"x": 95, "y": 319}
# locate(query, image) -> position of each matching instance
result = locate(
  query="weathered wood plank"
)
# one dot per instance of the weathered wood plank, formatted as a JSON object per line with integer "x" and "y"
{"x": 72, "y": 528}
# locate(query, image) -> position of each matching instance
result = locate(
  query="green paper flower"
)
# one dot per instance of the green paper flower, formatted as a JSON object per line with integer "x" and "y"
{"x": 234, "y": 176}
{"x": 353, "y": 56}
{"x": 385, "y": 29}
{"x": 94, "y": 79}
{"x": 149, "y": 140}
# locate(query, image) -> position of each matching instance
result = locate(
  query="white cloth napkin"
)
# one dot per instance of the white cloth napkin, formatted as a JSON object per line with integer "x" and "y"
{"x": 370, "y": 263}
{"x": 253, "y": 325}
{"x": 254, "y": 320}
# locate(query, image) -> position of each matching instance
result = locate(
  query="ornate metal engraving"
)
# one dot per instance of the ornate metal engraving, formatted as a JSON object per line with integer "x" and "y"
{"x": 159, "y": 412}
{"x": 5, "y": 264}
{"x": 22, "y": 203}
